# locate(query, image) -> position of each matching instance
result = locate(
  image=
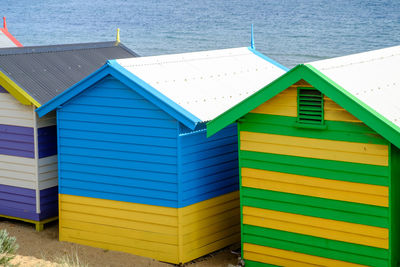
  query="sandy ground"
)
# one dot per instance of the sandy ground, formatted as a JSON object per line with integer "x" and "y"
{"x": 43, "y": 249}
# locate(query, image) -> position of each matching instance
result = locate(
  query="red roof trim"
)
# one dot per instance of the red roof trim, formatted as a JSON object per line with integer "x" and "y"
{"x": 12, "y": 38}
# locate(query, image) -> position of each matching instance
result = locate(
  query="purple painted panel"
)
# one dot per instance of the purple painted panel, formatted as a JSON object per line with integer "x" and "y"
{"x": 47, "y": 141}
{"x": 49, "y": 202}
{"x": 2, "y": 90}
{"x": 18, "y": 202}
{"x": 16, "y": 141}
{"x": 21, "y": 202}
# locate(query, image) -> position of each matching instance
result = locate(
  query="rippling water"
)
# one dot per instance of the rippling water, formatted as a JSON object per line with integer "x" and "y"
{"x": 290, "y": 31}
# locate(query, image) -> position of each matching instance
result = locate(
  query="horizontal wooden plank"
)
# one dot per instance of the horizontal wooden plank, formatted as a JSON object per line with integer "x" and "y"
{"x": 315, "y": 148}
{"x": 316, "y": 187}
{"x": 288, "y": 258}
{"x": 316, "y": 207}
{"x": 330, "y": 229}
{"x": 316, "y": 246}
{"x": 283, "y": 125}
{"x": 328, "y": 169}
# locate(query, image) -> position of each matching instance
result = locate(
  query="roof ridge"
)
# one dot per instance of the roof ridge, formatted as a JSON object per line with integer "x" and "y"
{"x": 56, "y": 48}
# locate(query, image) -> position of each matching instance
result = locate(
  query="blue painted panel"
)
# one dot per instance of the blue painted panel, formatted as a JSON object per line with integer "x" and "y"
{"x": 48, "y": 203}
{"x": 208, "y": 166}
{"x": 47, "y": 141}
{"x": 76, "y": 134}
{"x": 116, "y": 145}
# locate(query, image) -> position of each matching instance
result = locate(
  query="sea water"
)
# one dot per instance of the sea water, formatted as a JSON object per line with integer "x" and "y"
{"x": 290, "y": 31}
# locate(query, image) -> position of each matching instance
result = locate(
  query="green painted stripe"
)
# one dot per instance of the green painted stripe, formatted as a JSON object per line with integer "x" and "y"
{"x": 328, "y": 169}
{"x": 315, "y": 207}
{"x": 336, "y": 130}
{"x": 249, "y": 263}
{"x": 316, "y": 246}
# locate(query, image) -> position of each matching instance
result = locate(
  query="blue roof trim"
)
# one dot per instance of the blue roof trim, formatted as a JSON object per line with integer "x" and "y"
{"x": 113, "y": 68}
{"x": 268, "y": 59}
{"x": 149, "y": 92}
{"x": 73, "y": 91}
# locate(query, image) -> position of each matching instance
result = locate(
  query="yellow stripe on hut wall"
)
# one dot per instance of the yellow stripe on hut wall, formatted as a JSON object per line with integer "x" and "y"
{"x": 316, "y": 187}
{"x": 166, "y": 234}
{"x": 318, "y": 227}
{"x": 282, "y": 257}
{"x": 315, "y": 148}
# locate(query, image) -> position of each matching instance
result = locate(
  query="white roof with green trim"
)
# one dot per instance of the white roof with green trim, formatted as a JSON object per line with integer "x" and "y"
{"x": 365, "y": 84}
{"x": 207, "y": 83}
{"x": 373, "y": 77}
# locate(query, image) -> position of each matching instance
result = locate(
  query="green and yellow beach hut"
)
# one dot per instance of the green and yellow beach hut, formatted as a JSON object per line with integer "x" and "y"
{"x": 320, "y": 164}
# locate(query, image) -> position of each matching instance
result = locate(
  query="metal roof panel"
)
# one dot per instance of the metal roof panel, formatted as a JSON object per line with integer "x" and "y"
{"x": 205, "y": 83}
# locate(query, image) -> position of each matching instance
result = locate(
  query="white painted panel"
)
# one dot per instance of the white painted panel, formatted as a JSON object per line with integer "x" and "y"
{"x": 48, "y": 172}
{"x": 12, "y": 112}
{"x": 17, "y": 171}
{"x": 47, "y": 120}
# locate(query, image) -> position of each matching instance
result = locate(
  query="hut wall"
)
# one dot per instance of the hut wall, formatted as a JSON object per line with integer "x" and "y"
{"x": 110, "y": 197}
{"x": 18, "y": 173}
{"x": 312, "y": 196}
{"x": 208, "y": 166}
{"x": 127, "y": 174}
{"x": 208, "y": 173}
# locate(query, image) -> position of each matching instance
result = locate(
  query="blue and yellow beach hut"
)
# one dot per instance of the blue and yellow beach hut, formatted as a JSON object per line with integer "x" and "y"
{"x": 136, "y": 170}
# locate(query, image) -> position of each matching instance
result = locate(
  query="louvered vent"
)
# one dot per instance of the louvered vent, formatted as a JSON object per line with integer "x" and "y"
{"x": 310, "y": 106}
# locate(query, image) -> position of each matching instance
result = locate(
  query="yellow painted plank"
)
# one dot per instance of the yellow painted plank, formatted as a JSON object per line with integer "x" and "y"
{"x": 325, "y": 228}
{"x": 16, "y": 91}
{"x": 166, "y": 257}
{"x": 113, "y": 204}
{"x": 218, "y": 244}
{"x": 283, "y": 104}
{"x": 278, "y": 261}
{"x": 316, "y": 187}
{"x": 233, "y": 215}
{"x": 334, "y": 112}
{"x": 138, "y": 216}
{"x": 96, "y": 227}
{"x": 208, "y": 227}
{"x": 144, "y": 226}
{"x": 315, "y": 148}
{"x": 210, "y": 203}
{"x": 288, "y": 258}
{"x": 120, "y": 241}
{"x": 212, "y": 237}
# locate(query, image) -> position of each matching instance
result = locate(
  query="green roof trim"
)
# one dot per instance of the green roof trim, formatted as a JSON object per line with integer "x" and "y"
{"x": 318, "y": 80}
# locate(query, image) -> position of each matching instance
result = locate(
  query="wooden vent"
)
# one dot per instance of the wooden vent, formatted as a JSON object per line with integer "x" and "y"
{"x": 310, "y": 106}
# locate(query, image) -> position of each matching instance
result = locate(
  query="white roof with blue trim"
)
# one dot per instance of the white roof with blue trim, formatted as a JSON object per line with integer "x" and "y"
{"x": 372, "y": 77}
{"x": 208, "y": 83}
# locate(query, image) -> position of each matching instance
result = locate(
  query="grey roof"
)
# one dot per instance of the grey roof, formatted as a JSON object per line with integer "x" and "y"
{"x": 5, "y": 41}
{"x": 46, "y": 71}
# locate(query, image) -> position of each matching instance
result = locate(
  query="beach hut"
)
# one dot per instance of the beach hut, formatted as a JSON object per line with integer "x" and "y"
{"x": 136, "y": 171}
{"x": 320, "y": 164}
{"x": 29, "y": 78}
{"x": 6, "y": 38}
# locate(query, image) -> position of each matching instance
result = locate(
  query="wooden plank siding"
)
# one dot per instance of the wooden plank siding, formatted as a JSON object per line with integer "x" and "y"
{"x": 133, "y": 179}
{"x": 98, "y": 132}
{"x": 313, "y": 197}
{"x": 208, "y": 166}
{"x": 149, "y": 230}
{"x": 12, "y": 112}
